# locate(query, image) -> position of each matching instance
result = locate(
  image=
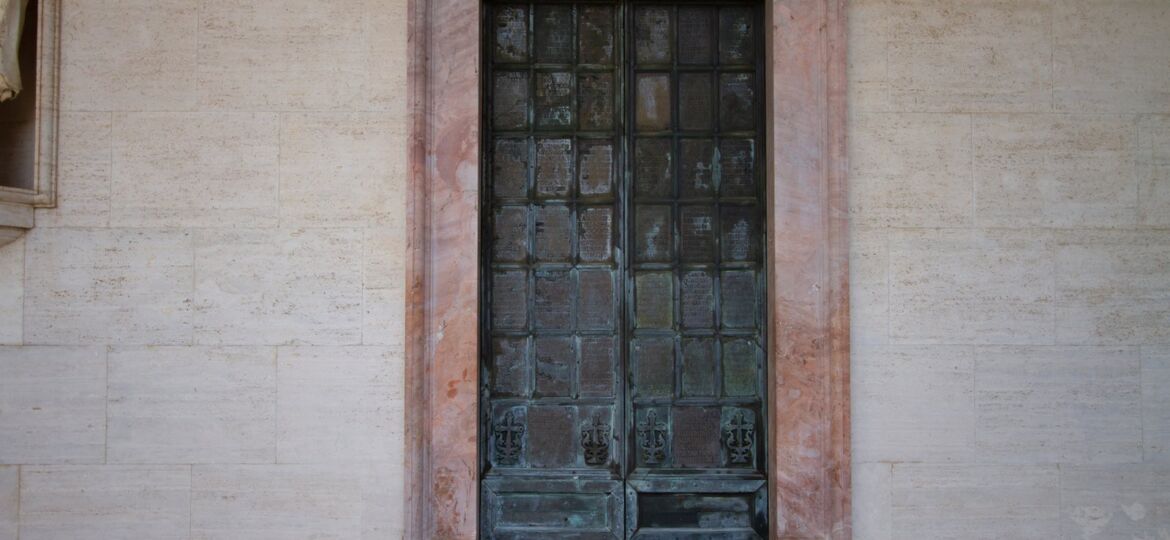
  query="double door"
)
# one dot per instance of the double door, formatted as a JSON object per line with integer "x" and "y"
{"x": 622, "y": 357}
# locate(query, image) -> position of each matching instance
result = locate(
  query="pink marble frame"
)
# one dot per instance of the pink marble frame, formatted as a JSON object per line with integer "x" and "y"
{"x": 809, "y": 472}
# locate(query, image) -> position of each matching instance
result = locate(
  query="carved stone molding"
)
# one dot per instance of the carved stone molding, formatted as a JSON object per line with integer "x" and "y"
{"x": 808, "y": 446}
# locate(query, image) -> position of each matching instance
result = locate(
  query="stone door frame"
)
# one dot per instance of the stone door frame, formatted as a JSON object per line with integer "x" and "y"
{"x": 808, "y": 273}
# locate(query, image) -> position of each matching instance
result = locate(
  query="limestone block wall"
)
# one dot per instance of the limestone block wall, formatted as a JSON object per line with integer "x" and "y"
{"x": 204, "y": 340}
{"x": 1010, "y": 175}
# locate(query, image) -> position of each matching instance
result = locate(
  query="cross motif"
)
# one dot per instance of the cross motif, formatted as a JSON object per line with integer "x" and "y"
{"x": 508, "y": 435}
{"x": 653, "y": 442}
{"x": 740, "y": 439}
{"x": 595, "y": 441}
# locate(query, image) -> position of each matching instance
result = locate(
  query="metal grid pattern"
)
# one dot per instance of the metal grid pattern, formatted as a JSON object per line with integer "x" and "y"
{"x": 623, "y": 238}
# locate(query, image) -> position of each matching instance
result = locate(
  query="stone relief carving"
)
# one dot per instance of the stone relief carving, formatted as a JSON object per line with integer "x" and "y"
{"x": 11, "y": 26}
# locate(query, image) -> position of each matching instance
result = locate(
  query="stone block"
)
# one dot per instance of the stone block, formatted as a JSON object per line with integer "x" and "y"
{"x": 110, "y": 502}
{"x": 955, "y": 56}
{"x": 1058, "y": 404}
{"x": 278, "y": 287}
{"x": 1111, "y": 287}
{"x": 192, "y": 405}
{"x": 971, "y": 286}
{"x": 339, "y": 404}
{"x": 127, "y": 286}
{"x": 54, "y": 404}
{"x": 1111, "y": 56}
{"x": 1055, "y": 171}
{"x": 913, "y": 403}
{"x": 910, "y": 170}
{"x": 104, "y": 67}
{"x": 210, "y": 170}
{"x": 341, "y": 169}
{"x": 298, "y": 56}
{"x": 976, "y": 501}
{"x": 276, "y": 502}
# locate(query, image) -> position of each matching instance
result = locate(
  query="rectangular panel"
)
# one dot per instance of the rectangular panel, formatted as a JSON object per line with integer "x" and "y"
{"x": 552, "y": 436}
{"x": 596, "y": 234}
{"x": 737, "y": 168}
{"x": 737, "y": 102}
{"x": 554, "y": 167}
{"x": 510, "y": 234}
{"x": 556, "y": 358}
{"x": 740, "y": 301}
{"x": 554, "y": 100}
{"x": 510, "y": 168}
{"x": 653, "y": 238}
{"x": 553, "y": 305}
{"x": 697, "y": 441}
{"x": 554, "y": 233}
{"x": 554, "y": 27}
{"x": 737, "y": 35}
{"x": 695, "y": 511}
{"x": 625, "y": 340}
{"x": 510, "y": 100}
{"x": 696, "y": 102}
{"x": 598, "y": 300}
{"x": 599, "y": 357}
{"x": 653, "y": 361}
{"x": 740, "y": 234}
{"x": 597, "y": 101}
{"x": 598, "y": 38}
{"x": 727, "y": 507}
{"x": 652, "y": 34}
{"x": 652, "y": 102}
{"x": 697, "y": 224}
{"x": 654, "y": 300}
{"x": 596, "y": 169}
{"x": 697, "y": 294}
{"x": 653, "y": 170}
{"x": 698, "y": 368}
{"x": 695, "y": 25}
{"x": 552, "y": 512}
{"x": 549, "y": 506}
{"x": 511, "y": 370}
{"x": 696, "y": 230}
{"x": 696, "y": 168}
{"x": 741, "y": 359}
{"x": 511, "y": 34}
{"x": 550, "y": 463}
{"x": 509, "y": 300}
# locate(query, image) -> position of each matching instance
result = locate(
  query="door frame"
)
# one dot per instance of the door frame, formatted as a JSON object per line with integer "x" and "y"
{"x": 809, "y": 488}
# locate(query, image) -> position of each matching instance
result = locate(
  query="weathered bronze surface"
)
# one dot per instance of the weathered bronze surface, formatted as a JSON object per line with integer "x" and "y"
{"x": 623, "y": 360}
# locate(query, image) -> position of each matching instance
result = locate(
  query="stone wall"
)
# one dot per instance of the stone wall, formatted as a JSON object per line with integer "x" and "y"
{"x": 1010, "y": 175}
{"x": 211, "y": 338}
{"x": 204, "y": 339}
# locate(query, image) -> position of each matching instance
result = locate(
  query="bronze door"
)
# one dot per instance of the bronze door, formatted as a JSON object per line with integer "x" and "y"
{"x": 623, "y": 346}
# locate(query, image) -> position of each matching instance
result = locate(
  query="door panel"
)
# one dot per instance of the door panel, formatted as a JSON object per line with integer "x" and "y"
{"x": 551, "y": 431}
{"x": 696, "y": 363}
{"x": 623, "y": 361}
